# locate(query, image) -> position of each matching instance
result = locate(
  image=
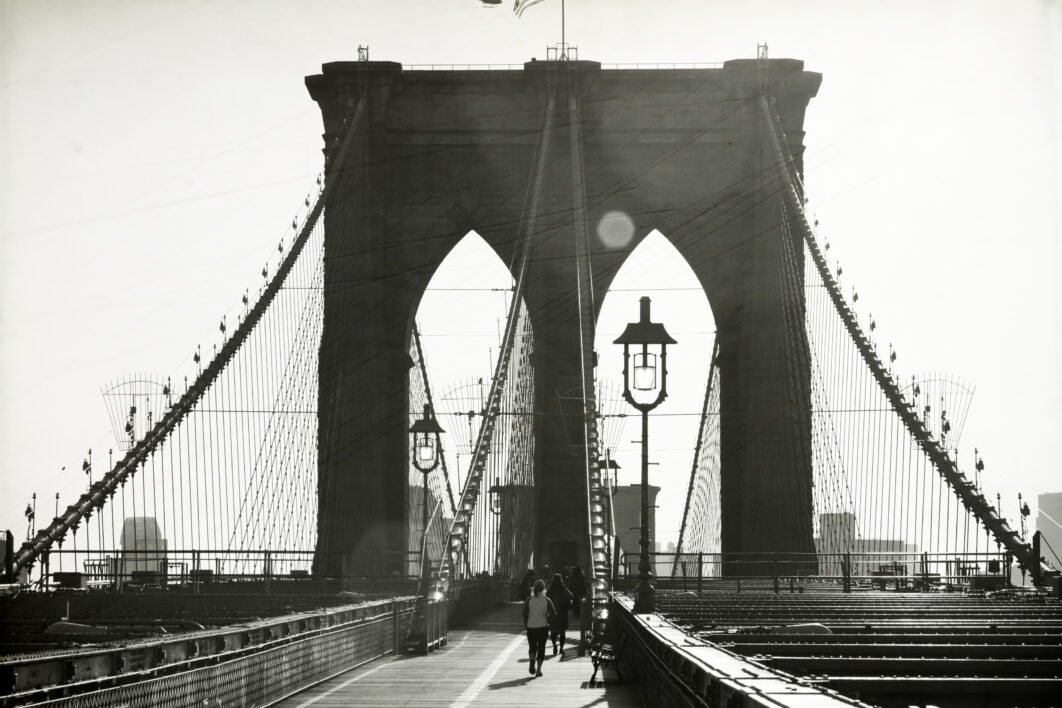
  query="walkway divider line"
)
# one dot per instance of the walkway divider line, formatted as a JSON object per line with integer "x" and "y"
{"x": 486, "y": 675}
{"x": 470, "y": 630}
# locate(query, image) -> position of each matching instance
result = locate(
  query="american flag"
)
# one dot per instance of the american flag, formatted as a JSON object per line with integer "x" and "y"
{"x": 520, "y": 5}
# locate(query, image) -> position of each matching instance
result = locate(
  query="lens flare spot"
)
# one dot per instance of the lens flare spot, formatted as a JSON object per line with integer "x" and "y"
{"x": 615, "y": 229}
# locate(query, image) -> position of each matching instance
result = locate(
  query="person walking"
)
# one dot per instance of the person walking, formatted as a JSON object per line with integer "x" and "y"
{"x": 577, "y": 586}
{"x": 538, "y": 613}
{"x": 561, "y": 598}
{"x": 526, "y": 585}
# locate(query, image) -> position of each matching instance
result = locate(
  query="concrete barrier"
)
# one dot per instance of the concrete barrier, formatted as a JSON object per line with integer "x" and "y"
{"x": 672, "y": 668}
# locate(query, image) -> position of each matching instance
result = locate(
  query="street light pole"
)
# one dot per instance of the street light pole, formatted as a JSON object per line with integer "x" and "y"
{"x": 497, "y": 507}
{"x": 425, "y": 573}
{"x": 425, "y": 432}
{"x": 643, "y": 335}
{"x": 644, "y": 599}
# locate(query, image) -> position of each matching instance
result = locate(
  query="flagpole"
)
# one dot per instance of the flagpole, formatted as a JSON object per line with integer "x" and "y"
{"x": 564, "y": 47}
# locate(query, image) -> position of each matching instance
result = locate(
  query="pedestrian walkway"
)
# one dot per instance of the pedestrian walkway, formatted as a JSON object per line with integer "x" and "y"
{"x": 485, "y": 664}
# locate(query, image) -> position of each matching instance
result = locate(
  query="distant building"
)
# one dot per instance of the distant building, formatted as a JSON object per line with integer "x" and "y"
{"x": 143, "y": 547}
{"x": 665, "y": 559}
{"x": 838, "y": 535}
{"x": 627, "y": 506}
{"x": 1049, "y": 524}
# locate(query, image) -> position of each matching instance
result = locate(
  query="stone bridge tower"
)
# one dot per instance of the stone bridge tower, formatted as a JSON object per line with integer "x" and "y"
{"x": 439, "y": 153}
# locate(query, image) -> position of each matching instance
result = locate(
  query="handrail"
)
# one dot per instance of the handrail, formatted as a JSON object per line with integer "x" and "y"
{"x": 114, "y": 674}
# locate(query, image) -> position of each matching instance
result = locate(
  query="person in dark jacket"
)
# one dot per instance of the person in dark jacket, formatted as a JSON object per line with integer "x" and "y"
{"x": 577, "y": 586}
{"x": 561, "y": 598}
{"x": 526, "y": 584}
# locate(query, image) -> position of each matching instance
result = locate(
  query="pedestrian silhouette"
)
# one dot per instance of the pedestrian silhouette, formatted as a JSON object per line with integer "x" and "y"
{"x": 538, "y": 613}
{"x": 577, "y": 586}
{"x": 561, "y": 598}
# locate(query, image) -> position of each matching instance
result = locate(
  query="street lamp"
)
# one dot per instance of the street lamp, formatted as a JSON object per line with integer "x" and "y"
{"x": 497, "y": 494}
{"x": 646, "y": 377}
{"x": 425, "y": 432}
{"x": 496, "y": 499}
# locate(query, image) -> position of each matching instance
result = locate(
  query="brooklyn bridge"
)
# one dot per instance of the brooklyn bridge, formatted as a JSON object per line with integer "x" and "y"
{"x": 284, "y": 526}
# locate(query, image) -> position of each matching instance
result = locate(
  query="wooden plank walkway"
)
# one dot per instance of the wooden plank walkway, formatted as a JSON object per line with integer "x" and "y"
{"x": 482, "y": 665}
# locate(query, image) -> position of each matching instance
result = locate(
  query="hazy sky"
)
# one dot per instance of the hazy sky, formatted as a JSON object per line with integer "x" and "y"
{"x": 153, "y": 152}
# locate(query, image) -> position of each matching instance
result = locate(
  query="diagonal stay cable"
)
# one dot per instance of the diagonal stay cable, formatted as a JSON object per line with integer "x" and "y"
{"x": 473, "y": 480}
{"x": 708, "y": 389}
{"x": 964, "y": 490}
{"x": 101, "y": 490}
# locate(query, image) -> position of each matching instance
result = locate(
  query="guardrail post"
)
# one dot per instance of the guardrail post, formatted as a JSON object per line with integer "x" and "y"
{"x": 925, "y": 572}
{"x": 266, "y": 569}
{"x": 585, "y": 624}
{"x": 774, "y": 571}
{"x": 445, "y": 621}
{"x": 430, "y": 636}
{"x": 429, "y": 625}
{"x": 396, "y": 625}
{"x": 195, "y": 573}
{"x": 846, "y": 572}
{"x": 700, "y": 572}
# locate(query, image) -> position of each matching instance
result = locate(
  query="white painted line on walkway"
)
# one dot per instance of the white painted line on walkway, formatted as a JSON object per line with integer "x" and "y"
{"x": 342, "y": 685}
{"x": 470, "y": 631}
{"x": 492, "y": 669}
{"x": 488, "y": 673}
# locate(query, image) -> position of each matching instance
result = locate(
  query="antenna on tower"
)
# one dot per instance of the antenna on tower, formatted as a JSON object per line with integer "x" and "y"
{"x": 761, "y": 66}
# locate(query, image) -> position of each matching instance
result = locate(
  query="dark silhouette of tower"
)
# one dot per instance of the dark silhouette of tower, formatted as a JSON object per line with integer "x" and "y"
{"x": 439, "y": 153}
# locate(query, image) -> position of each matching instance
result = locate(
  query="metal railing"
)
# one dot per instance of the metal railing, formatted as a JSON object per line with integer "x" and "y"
{"x": 520, "y": 67}
{"x": 254, "y": 662}
{"x": 118, "y": 569}
{"x": 462, "y": 67}
{"x": 250, "y": 664}
{"x": 894, "y": 570}
{"x": 665, "y": 65}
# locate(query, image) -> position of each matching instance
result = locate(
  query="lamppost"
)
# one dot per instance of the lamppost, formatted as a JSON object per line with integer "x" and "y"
{"x": 497, "y": 501}
{"x": 497, "y": 505}
{"x": 425, "y": 432}
{"x": 648, "y": 338}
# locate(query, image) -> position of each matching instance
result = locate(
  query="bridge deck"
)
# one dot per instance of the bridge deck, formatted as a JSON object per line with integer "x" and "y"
{"x": 485, "y": 664}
